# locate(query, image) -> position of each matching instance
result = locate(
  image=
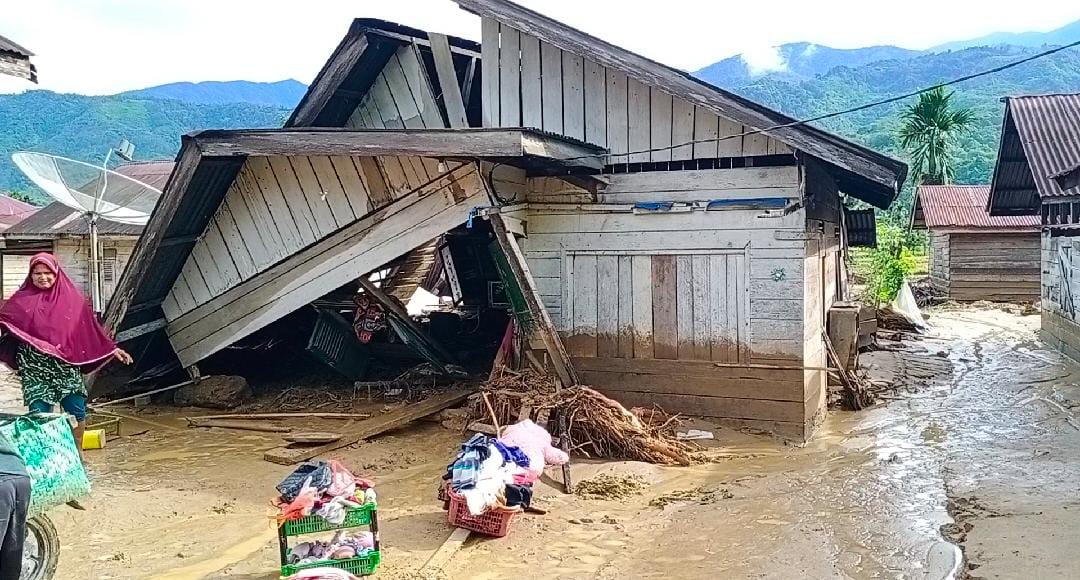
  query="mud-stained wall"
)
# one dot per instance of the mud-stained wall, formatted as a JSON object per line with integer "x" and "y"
{"x": 1060, "y": 288}
{"x": 675, "y": 307}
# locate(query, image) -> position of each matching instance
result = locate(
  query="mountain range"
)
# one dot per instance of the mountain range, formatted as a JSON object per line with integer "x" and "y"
{"x": 800, "y": 79}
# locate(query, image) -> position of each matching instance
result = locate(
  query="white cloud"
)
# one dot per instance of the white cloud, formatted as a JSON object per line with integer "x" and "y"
{"x": 764, "y": 59}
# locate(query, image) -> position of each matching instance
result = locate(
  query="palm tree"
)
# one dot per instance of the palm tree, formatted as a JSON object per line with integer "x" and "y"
{"x": 929, "y": 132}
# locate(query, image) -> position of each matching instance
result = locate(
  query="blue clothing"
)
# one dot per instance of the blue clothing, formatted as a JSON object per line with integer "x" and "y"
{"x": 72, "y": 404}
{"x": 511, "y": 453}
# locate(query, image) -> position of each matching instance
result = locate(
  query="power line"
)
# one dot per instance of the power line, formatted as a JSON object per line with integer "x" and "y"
{"x": 862, "y": 107}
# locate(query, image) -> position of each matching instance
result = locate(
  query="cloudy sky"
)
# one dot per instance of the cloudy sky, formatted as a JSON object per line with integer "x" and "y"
{"x": 108, "y": 46}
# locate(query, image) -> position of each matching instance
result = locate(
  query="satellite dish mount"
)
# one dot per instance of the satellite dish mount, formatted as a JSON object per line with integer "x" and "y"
{"x": 94, "y": 191}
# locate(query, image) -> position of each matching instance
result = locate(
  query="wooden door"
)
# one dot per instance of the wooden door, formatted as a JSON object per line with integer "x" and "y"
{"x": 675, "y": 306}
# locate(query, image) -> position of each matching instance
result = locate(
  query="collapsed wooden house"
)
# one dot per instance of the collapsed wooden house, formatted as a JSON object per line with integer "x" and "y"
{"x": 1034, "y": 176}
{"x": 974, "y": 255}
{"x": 686, "y": 243}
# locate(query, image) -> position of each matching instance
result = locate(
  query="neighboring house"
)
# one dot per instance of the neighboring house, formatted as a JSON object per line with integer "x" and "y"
{"x": 63, "y": 231}
{"x": 686, "y": 243}
{"x": 12, "y": 268}
{"x": 15, "y": 61}
{"x": 973, "y": 255}
{"x": 13, "y": 211}
{"x": 1034, "y": 176}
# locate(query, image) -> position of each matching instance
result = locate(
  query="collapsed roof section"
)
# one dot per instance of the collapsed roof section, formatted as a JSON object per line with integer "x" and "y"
{"x": 253, "y": 225}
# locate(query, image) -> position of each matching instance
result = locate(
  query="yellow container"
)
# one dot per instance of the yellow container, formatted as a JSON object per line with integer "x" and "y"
{"x": 93, "y": 439}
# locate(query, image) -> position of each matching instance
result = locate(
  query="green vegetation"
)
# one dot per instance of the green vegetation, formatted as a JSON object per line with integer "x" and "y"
{"x": 973, "y": 157}
{"x": 84, "y": 128}
{"x": 884, "y": 268}
{"x": 928, "y": 134}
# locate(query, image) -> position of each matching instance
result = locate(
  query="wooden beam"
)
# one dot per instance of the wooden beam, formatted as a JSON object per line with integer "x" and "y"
{"x": 336, "y": 260}
{"x": 140, "y": 330}
{"x": 371, "y": 427}
{"x": 447, "y": 550}
{"x": 500, "y": 143}
{"x": 447, "y": 74}
{"x": 564, "y": 369}
{"x": 329, "y": 79}
{"x": 396, "y": 311}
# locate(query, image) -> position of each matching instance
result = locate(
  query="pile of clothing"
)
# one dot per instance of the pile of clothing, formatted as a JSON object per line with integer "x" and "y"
{"x": 323, "y": 488}
{"x": 341, "y": 547}
{"x": 492, "y": 472}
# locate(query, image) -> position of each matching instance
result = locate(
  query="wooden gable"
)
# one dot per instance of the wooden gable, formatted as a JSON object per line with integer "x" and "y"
{"x": 527, "y": 82}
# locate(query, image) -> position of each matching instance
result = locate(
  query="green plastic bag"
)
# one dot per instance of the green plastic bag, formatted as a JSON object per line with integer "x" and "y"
{"x": 47, "y": 445}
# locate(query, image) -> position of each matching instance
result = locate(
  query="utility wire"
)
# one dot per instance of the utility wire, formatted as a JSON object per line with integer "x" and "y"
{"x": 845, "y": 111}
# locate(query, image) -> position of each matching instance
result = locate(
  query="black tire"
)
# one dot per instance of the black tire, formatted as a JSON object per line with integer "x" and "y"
{"x": 41, "y": 554}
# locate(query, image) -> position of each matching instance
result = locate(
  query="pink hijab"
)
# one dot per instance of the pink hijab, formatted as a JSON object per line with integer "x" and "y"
{"x": 58, "y": 322}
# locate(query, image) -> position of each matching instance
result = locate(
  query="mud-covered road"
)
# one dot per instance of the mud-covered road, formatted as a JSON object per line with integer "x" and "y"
{"x": 977, "y": 448}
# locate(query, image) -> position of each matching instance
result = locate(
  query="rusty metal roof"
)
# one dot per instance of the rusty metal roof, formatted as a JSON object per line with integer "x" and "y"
{"x": 1040, "y": 138}
{"x": 13, "y": 211}
{"x": 963, "y": 206}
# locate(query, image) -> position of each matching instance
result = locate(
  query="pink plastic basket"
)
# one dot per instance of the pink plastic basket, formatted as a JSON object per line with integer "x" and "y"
{"x": 494, "y": 522}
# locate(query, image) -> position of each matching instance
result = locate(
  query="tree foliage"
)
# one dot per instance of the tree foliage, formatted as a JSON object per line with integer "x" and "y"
{"x": 929, "y": 132}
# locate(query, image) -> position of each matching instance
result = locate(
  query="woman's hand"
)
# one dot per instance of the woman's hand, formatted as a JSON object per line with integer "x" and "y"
{"x": 122, "y": 356}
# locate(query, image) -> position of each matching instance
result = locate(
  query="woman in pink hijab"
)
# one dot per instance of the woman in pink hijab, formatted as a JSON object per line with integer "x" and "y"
{"x": 51, "y": 337}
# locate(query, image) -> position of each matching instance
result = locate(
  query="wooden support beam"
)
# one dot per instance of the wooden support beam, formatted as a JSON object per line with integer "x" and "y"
{"x": 140, "y": 330}
{"x": 447, "y": 74}
{"x": 564, "y": 369}
{"x": 393, "y": 309}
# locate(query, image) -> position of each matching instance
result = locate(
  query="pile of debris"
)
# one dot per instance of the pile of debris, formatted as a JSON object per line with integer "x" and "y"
{"x": 596, "y": 425}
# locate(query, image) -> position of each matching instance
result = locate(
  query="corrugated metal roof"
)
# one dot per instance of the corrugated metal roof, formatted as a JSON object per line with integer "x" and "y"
{"x": 861, "y": 227}
{"x": 1048, "y": 127}
{"x": 964, "y": 206}
{"x": 13, "y": 211}
{"x": 6, "y": 45}
{"x": 57, "y": 219}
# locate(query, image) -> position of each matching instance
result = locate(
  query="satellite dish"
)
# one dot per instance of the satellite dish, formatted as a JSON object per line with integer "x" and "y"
{"x": 94, "y": 191}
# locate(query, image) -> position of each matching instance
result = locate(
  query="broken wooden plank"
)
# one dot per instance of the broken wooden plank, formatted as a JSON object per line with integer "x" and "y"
{"x": 516, "y": 258}
{"x": 447, "y": 550}
{"x": 371, "y": 427}
{"x": 395, "y": 310}
{"x": 238, "y": 425}
{"x": 257, "y": 416}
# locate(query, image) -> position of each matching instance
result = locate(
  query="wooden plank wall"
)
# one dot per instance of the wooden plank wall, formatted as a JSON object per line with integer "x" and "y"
{"x": 275, "y": 207}
{"x": 651, "y": 313}
{"x": 649, "y": 303}
{"x": 994, "y": 266}
{"x": 939, "y": 262}
{"x": 74, "y": 256}
{"x": 529, "y": 83}
{"x": 16, "y": 268}
{"x": 279, "y": 205}
{"x": 401, "y": 98}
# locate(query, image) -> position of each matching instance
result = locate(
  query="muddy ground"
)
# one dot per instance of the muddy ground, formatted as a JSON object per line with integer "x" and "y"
{"x": 976, "y": 448}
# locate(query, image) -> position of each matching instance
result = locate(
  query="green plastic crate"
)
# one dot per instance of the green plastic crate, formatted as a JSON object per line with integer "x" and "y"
{"x": 355, "y": 517}
{"x": 360, "y": 566}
